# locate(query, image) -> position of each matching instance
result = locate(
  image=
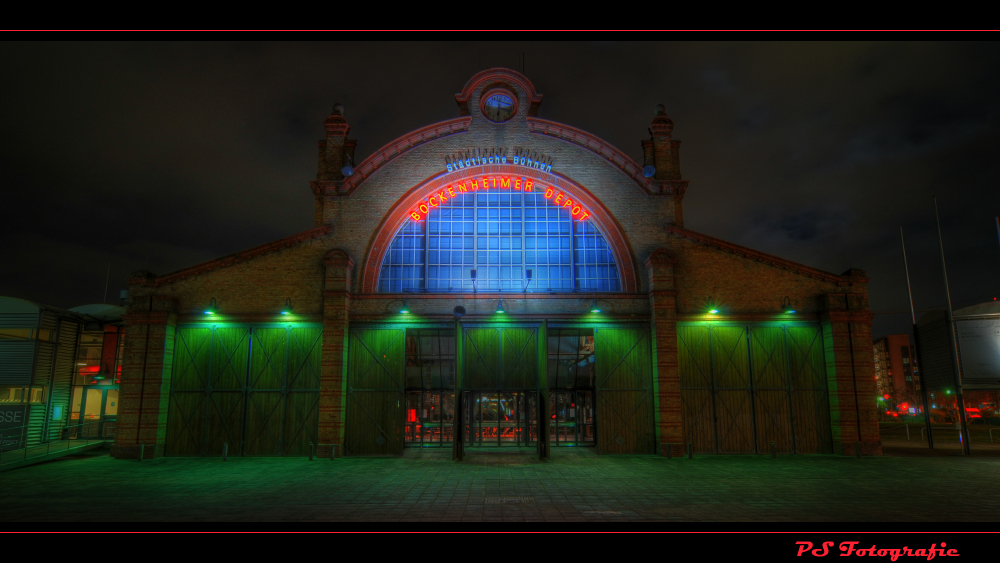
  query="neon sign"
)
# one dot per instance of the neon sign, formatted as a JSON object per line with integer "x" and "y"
{"x": 507, "y": 183}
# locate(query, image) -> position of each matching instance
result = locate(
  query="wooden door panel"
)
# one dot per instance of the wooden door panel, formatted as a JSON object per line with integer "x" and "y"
{"x": 624, "y": 390}
{"x": 375, "y": 391}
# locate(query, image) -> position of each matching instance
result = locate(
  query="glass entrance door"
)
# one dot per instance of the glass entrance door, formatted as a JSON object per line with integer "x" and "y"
{"x": 571, "y": 418}
{"x": 500, "y": 418}
{"x": 98, "y": 406}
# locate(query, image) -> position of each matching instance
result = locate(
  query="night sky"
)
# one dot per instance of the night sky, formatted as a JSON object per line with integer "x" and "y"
{"x": 160, "y": 156}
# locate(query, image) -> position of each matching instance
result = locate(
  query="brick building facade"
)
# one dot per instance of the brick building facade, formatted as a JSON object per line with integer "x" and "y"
{"x": 445, "y": 299}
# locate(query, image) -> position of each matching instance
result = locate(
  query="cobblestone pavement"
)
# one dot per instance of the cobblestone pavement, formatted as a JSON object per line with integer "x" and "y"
{"x": 510, "y": 485}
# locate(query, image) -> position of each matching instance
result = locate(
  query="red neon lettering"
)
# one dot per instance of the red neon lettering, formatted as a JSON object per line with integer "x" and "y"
{"x": 576, "y": 211}
{"x": 494, "y": 182}
{"x": 517, "y": 184}
{"x": 505, "y": 183}
{"x": 415, "y": 215}
{"x": 584, "y": 215}
{"x": 485, "y": 180}
{"x": 451, "y": 191}
{"x": 548, "y": 193}
{"x": 804, "y": 546}
{"x": 527, "y": 186}
{"x": 569, "y": 203}
{"x": 441, "y": 197}
{"x": 423, "y": 208}
{"x": 431, "y": 201}
{"x": 558, "y": 198}
{"x": 473, "y": 184}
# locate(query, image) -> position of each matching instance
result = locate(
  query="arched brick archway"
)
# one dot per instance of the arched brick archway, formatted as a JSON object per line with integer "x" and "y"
{"x": 399, "y": 214}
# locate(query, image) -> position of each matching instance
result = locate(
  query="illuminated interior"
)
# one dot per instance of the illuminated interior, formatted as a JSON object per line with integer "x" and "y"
{"x": 498, "y": 417}
{"x": 500, "y": 235}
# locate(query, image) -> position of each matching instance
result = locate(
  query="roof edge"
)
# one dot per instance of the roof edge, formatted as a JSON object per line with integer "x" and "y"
{"x": 595, "y": 144}
{"x": 241, "y": 256}
{"x": 397, "y": 147}
{"x": 764, "y": 257}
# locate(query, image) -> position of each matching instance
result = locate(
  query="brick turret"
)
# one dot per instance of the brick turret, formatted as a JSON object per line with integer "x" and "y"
{"x": 336, "y": 152}
{"x": 663, "y": 153}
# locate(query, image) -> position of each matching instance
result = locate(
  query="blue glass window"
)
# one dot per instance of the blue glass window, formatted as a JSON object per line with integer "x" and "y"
{"x": 500, "y": 235}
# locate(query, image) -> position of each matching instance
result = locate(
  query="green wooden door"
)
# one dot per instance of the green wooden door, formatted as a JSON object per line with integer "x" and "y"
{"x": 697, "y": 387}
{"x": 501, "y": 358}
{"x": 743, "y": 387}
{"x": 375, "y": 392}
{"x": 283, "y": 391}
{"x": 207, "y": 391}
{"x": 624, "y": 390}
{"x": 734, "y": 408}
{"x": 810, "y": 405}
{"x": 771, "y": 391}
{"x": 255, "y": 389}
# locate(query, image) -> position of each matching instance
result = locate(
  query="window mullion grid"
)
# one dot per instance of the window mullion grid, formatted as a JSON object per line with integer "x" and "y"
{"x": 524, "y": 239}
{"x": 572, "y": 253}
{"x": 427, "y": 253}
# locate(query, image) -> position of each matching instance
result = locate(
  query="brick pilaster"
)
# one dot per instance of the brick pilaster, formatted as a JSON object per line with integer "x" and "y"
{"x": 150, "y": 326}
{"x": 850, "y": 371}
{"x": 336, "y": 307}
{"x": 662, "y": 303}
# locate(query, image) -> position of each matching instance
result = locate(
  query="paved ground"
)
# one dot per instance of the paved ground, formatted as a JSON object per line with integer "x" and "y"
{"x": 576, "y": 485}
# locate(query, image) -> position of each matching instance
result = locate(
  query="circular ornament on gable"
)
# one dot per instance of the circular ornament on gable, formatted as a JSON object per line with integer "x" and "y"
{"x": 499, "y": 105}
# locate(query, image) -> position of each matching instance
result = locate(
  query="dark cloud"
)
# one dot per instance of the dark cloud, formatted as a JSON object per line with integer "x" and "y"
{"x": 161, "y": 155}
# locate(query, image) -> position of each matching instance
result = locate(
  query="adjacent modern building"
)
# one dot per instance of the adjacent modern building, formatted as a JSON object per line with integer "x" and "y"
{"x": 497, "y": 279}
{"x": 59, "y": 371}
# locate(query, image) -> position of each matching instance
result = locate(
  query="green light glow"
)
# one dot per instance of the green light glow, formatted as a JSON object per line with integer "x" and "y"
{"x": 209, "y": 312}
{"x": 714, "y": 311}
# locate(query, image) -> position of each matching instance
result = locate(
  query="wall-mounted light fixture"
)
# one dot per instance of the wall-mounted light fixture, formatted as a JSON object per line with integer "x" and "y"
{"x": 348, "y": 168}
{"x": 500, "y": 305}
{"x": 406, "y": 307}
{"x": 713, "y": 309}
{"x": 472, "y": 276}
{"x": 593, "y": 306}
{"x": 527, "y": 275}
{"x": 287, "y": 309}
{"x": 648, "y": 170}
{"x": 212, "y": 308}
{"x": 786, "y": 306}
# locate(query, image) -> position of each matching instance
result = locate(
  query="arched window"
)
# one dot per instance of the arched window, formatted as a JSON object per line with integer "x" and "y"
{"x": 500, "y": 236}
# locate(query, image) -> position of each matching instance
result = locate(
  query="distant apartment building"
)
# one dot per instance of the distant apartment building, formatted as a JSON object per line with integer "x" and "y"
{"x": 897, "y": 375}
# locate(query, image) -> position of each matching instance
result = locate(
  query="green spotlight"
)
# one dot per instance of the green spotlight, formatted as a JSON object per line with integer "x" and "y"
{"x": 212, "y": 307}
{"x": 713, "y": 311}
{"x": 500, "y": 305}
{"x": 786, "y": 306}
{"x": 406, "y": 307}
{"x": 593, "y": 308}
{"x": 287, "y": 309}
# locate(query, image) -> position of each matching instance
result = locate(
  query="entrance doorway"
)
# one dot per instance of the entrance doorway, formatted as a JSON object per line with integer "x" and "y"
{"x": 500, "y": 418}
{"x": 94, "y": 404}
{"x": 571, "y": 415}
